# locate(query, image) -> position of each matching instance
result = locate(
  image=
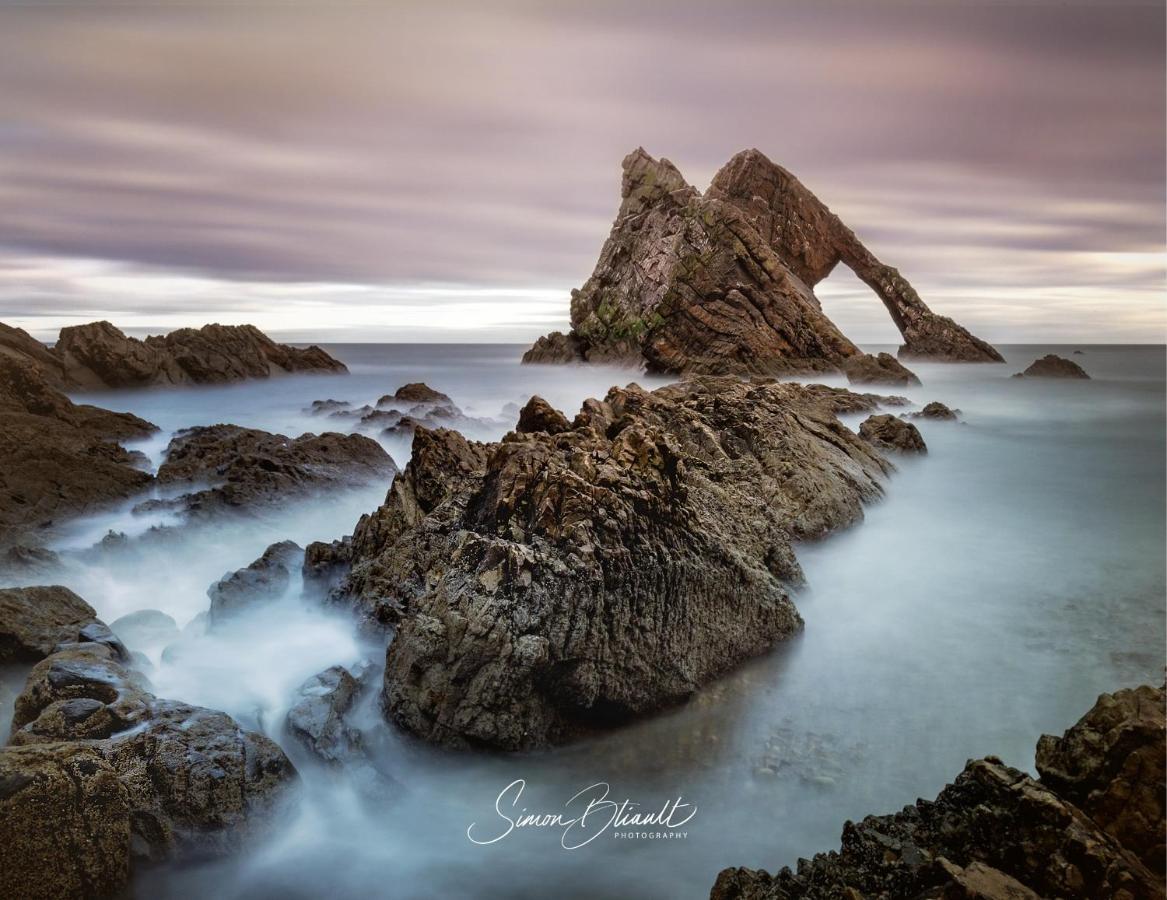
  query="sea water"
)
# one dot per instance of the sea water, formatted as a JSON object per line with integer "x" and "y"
{"x": 1007, "y": 578}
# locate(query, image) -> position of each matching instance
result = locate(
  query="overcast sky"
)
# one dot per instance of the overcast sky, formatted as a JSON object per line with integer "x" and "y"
{"x": 381, "y": 171}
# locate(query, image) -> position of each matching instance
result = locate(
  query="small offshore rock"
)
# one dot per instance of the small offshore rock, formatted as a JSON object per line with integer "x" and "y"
{"x": 892, "y": 433}
{"x": 1053, "y": 366}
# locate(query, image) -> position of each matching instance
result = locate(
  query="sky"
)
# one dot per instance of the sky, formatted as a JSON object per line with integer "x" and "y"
{"x": 444, "y": 172}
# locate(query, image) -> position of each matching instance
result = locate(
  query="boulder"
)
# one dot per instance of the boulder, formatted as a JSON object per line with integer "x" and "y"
{"x": 262, "y": 582}
{"x": 321, "y": 407}
{"x": 723, "y": 282}
{"x": 539, "y": 415}
{"x": 1111, "y": 766}
{"x": 890, "y": 432}
{"x": 1053, "y": 366}
{"x": 190, "y": 780}
{"x": 145, "y": 628}
{"x": 317, "y": 718}
{"x": 997, "y": 834}
{"x": 414, "y": 392}
{"x": 936, "y": 410}
{"x": 246, "y": 468}
{"x": 551, "y": 585}
{"x": 881, "y": 369}
{"x": 61, "y": 459}
{"x": 35, "y": 620}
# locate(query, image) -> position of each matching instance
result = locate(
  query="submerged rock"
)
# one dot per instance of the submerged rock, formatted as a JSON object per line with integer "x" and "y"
{"x": 997, "y": 834}
{"x": 882, "y": 369}
{"x": 936, "y": 410}
{"x": 890, "y": 432}
{"x": 146, "y": 627}
{"x": 317, "y": 719}
{"x": 262, "y": 582}
{"x": 414, "y": 392}
{"x": 722, "y": 282}
{"x": 245, "y": 467}
{"x": 1053, "y": 366}
{"x": 553, "y": 584}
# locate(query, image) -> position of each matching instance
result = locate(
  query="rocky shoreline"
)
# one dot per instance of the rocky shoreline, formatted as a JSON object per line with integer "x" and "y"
{"x": 1090, "y": 827}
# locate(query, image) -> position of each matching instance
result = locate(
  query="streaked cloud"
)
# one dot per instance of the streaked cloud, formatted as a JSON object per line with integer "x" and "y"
{"x": 410, "y": 171}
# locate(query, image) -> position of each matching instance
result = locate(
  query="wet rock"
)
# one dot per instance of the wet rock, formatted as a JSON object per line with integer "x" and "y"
{"x": 882, "y": 369}
{"x": 722, "y": 282}
{"x": 1053, "y": 366}
{"x": 936, "y": 410}
{"x": 996, "y": 833}
{"x": 414, "y": 392}
{"x": 547, "y": 586}
{"x": 1111, "y": 766}
{"x": 317, "y": 718}
{"x": 64, "y": 823}
{"x": 321, "y": 407}
{"x": 145, "y": 628}
{"x": 539, "y": 415}
{"x": 193, "y": 781}
{"x": 61, "y": 459}
{"x": 35, "y": 620}
{"x": 890, "y": 432}
{"x": 262, "y": 582}
{"x": 98, "y": 355}
{"x": 28, "y": 561}
{"x": 246, "y": 468}
{"x": 840, "y": 400}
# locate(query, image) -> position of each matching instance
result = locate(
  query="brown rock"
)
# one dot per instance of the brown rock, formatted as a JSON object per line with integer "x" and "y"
{"x": 935, "y": 410}
{"x": 723, "y": 282}
{"x": 892, "y": 433}
{"x": 553, "y": 584}
{"x": 34, "y": 620}
{"x": 1111, "y": 766}
{"x": 882, "y": 369}
{"x": 1053, "y": 366}
{"x": 539, "y": 415}
{"x": 414, "y": 392}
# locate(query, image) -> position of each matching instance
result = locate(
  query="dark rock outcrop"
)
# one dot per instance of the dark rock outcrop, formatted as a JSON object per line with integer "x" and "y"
{"x": 262, "y": 582}
{"x": 1053, "y": 366}
{"x": 1111, "y": 766}
{"x": 100, "y": 772}
{"x": 554, "y": 584}
{"x": 245, "y": 467}
{"x": 414, "y": 392}
{"x": 890, "y": 432}
{"x": 60, "y": 459}
{"x": 997, "y": 834}
{"x": 881, "y": 369}
{"x": 317, "y": 718}
{"x": 98, "y": 355}
{"x": 539, "y": 415}
{"x": 723, "y": 282}
{"x": 936, "y": 410}
{"x": 35, "y": 620}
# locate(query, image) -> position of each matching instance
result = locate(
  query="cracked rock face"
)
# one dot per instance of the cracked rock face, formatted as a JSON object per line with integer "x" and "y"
{"x": 723, "y": 282}
{"x": 997, "y": 834}
{"x": 553, "y": 584}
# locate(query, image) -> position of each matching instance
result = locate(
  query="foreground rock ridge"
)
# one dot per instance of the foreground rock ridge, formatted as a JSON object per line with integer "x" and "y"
{"x": 98, "y": 356}
{"x": 723, "y": 282}
{"x": 578, "y": 574}
{"x": 1091, "y": 827}
{"x": 99, "y": 774}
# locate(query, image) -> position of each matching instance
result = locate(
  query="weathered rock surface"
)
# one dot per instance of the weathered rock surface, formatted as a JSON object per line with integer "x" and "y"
{"x": 723, "y": 282}
{"x": 414, "y": 392}
{"x": 60, "y": 459}
{"x": 553, "y": 584}
{"x": 881, "y": 369}
{"x": 100, "y": 772}
{"x": 98, "y": 355}
{"x": 539, "y": 415}
{"x": 35, "y": 620}
{"x": 244, "y": 467}
{"x": 890, "y": 432}
{"x": 936, "y": 410}
{"x": 1053, "y": 366}
{"x": 262, "y": 582}
{"x": 997, "y": 834}
{"x": 317, "y": 718}
{"x": 1111, "y": 766}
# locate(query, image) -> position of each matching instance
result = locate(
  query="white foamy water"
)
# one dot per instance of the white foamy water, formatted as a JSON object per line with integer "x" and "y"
{"x": 1009, "y": 576}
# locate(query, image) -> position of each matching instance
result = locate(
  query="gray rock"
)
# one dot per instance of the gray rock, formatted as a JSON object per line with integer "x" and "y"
{"x": 262, "y": 582}
{"x": 317, "y": 718}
